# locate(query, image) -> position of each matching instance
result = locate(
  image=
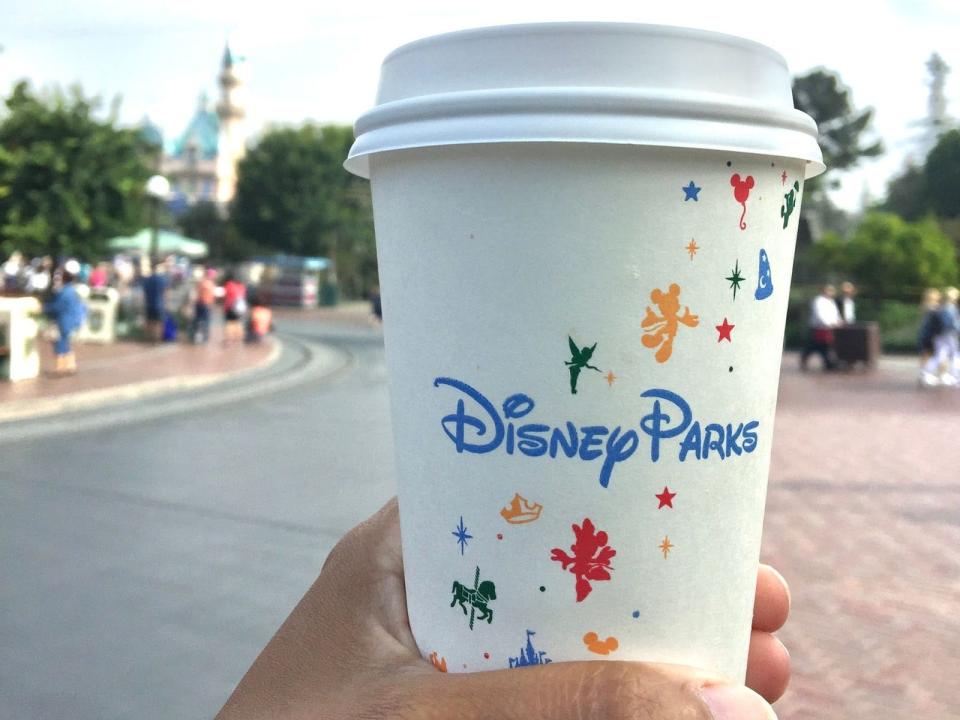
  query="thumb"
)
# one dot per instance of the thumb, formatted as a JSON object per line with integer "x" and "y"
{"x": 598, "y": 689}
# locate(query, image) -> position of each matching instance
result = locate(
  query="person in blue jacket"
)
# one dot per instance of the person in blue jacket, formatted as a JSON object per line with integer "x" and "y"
{"x": 68, "y": 311}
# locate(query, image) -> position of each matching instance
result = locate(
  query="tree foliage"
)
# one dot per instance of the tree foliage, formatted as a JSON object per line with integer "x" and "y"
{"x": 892, "y": 257}
{"x": 822, "y": 95}
{"x": 69, "y": 181}
{"x": 293, "y": 196}
{"x": 942, "y": 175}
{"x": 907, "y": 194}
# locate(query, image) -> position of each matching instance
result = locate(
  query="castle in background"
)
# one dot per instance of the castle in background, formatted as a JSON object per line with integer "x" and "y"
{"x": 201, "y": 163}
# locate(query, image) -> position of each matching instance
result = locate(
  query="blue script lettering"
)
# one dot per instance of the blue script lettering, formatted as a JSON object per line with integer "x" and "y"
{"x": 477, "y": 426}
{"x": 653, "y": 424}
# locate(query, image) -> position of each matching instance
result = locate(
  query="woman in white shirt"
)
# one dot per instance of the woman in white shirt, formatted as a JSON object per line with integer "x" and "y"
{"x": 824, "y": 317}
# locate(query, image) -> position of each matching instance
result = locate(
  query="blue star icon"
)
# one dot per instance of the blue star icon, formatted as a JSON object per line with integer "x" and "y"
{"x": 690, "y": 192}
{"x": 461, "y": 534}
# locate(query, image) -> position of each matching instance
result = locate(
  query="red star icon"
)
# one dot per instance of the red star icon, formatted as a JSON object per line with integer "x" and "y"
{"x": 665, "y": 498}
{"x": 724, "y": 331}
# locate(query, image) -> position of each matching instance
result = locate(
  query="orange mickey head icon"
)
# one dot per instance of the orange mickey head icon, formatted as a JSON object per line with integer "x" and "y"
{"x": 600, "y": 647}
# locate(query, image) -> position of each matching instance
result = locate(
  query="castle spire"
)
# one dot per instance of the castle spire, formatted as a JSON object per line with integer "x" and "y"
{"x": 231, "y": 110}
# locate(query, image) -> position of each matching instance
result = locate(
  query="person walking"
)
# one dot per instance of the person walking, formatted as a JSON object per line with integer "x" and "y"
{"x": 66, "y": 309}
{"x": 206, "y": 297}
{"x": 234, "y": 308}
{"x": 260, "y": 322}
{"x": 824, "y": 317}
{"x": 155, "y": 300}
{"x": 933, "y": 341}
{"x": 846, "y": 304}
{"x": 951, "y": 330}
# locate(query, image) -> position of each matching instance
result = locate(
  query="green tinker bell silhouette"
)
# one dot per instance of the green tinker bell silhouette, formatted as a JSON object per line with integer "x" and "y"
{"x": 580, "y": 360}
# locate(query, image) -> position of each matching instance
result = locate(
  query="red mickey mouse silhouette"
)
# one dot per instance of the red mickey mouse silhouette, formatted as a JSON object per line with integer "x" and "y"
{"x": 741, "y": 191}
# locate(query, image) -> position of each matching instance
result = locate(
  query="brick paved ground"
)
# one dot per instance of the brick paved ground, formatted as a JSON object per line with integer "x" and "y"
{"x": 863, "y": 518}
{"x": 103, "y": 369}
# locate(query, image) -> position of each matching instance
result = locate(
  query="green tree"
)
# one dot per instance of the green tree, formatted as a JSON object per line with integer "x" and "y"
{"x": 823, "y": 96}
{"x": 907, "y": 194}
{"x": 942, "y": 175}
{"x": 69, "y": 181}
{"x": 892, "y": 257}
{"x": 294, "y": 196}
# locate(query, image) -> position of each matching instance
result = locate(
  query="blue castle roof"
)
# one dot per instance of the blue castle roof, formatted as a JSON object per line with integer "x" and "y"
{"x": 202, "y": 132}
{"x": 150, "y": 132}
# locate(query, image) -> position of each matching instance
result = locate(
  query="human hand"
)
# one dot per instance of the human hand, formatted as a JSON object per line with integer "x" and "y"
{"x": 347, "y": 653}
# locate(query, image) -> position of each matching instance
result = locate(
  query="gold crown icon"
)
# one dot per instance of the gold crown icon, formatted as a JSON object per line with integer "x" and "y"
{"x": 520, "y": 511}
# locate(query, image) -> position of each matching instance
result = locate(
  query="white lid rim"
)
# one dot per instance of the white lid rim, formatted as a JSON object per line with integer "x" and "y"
{"x": 358, "y": 161}
{"x": 578, "y": 101}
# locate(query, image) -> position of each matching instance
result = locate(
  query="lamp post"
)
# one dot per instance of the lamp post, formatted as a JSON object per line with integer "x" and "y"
{"x": 158, "y": 188}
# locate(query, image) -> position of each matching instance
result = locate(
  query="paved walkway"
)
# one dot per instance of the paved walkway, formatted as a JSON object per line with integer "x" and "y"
{"x": 863, "y": 518}
{"x": 126, "y": 371}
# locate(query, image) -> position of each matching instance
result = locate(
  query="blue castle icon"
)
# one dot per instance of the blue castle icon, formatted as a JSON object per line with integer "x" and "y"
{"x": 530, "y": 655}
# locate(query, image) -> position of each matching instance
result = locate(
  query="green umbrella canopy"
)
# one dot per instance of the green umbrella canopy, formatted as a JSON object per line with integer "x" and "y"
{"x": 168, "y": 243}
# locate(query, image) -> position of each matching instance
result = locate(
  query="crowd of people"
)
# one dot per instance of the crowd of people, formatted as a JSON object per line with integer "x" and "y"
{"x": 827, "y": 313}
{"x": 172, "y": 297}
{"x": 938, "y": 341}
{"x": 940, "y": 338}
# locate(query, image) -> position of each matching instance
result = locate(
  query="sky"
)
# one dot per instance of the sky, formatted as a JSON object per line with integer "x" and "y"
{"x": 320, "y": 61}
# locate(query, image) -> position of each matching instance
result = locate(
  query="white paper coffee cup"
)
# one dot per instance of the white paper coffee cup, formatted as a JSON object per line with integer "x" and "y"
{"x": 585, "y": 236}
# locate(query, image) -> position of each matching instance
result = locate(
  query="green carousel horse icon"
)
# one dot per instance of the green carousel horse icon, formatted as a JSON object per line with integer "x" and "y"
{"x": 476, "y": 597}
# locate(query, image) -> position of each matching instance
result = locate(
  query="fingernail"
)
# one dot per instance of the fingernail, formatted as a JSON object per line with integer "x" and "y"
{"x": 735, "y": 702}
{"x": 783, "y": 581}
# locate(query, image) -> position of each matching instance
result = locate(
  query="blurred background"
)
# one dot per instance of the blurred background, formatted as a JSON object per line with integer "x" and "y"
{"x": 193, "y": 405}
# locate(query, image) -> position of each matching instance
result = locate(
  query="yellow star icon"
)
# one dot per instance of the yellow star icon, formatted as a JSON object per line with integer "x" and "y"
{"x": 610, "y": 378}
{"x": 692, "y": 248}
{"x": 666, "y": 546}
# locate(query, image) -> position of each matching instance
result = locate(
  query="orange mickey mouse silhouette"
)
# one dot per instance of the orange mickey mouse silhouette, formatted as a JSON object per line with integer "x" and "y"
{"x": 660, "y": 330}
{"x": 741, "y": 191}
{"x": 600, "y": 647}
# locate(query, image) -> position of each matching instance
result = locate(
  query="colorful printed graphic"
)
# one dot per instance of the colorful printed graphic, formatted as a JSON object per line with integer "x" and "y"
{"x": 660, "y": 330}
{"x": 579, "y": 361}
{"x": 735, "y": 279}
{"x": 764, "y": 278}
{"x": 461, "y": 534}
{"x": 530, "y": 655}
{"x": 600, "y": 647}
{"x": 610, "y": 378}
{"x": 692, "y": 248}
{"x": 741, "y": 191}
{"x": 691, "y": 192}
{"x": 790, "y": 202}
{"x": 477, "y": 598}
{"x": 521, "y": 511}
{"x": 591, "y": 557}
{"x": 665, "y": 498}
{"x": 440, "y": 664}
{"x": 783, "y": 178}
{"x": 723, "y": 331}
{"x": 666, "y": 546}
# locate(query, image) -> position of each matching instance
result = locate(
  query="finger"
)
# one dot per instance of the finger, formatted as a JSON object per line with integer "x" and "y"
{"x": 772, "y": 604}
{"x": 363, "y": 578}
{"x": 587, "y": 690}
{"x": 768, "y": 667}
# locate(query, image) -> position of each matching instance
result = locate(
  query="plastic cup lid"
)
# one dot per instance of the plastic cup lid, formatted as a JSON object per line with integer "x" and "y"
{"x": 615, "y": 83}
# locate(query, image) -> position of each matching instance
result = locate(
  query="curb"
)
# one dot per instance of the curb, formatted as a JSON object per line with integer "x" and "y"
{"x": 299, "y": 362}
{"x": 103, "y": 397}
